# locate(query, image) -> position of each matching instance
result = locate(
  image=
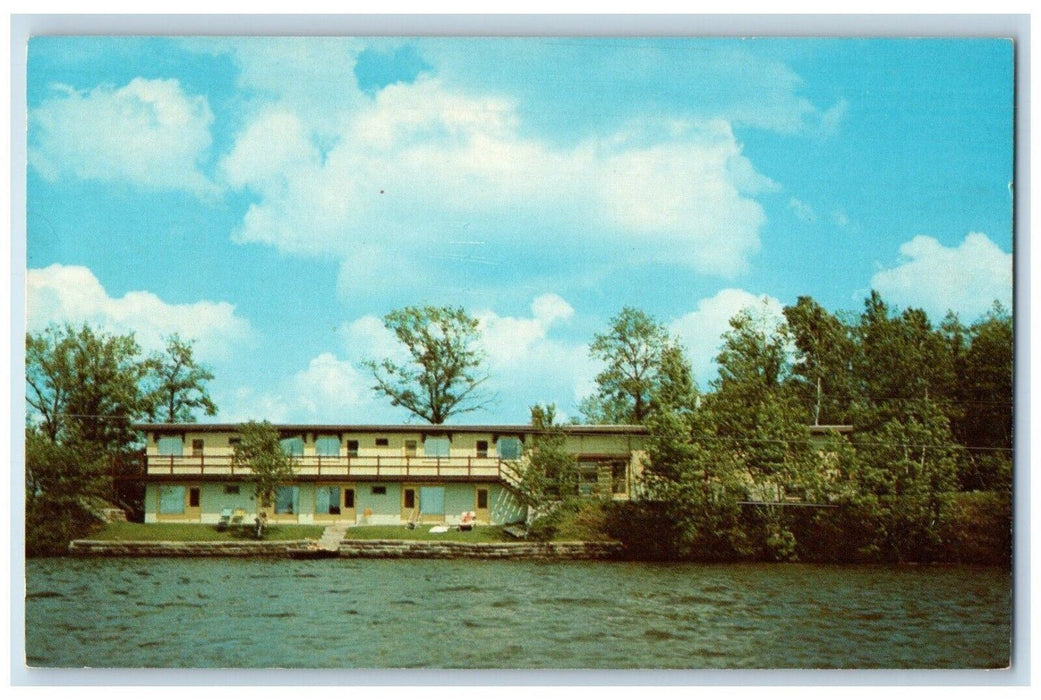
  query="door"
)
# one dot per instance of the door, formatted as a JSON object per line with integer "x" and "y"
{"x": 409, "y": 503}
{"x": 482, "y": 509}
{"x": 349, "y": 512}
{"x": 193, "y": 508}
{"x": 432, "y": 503}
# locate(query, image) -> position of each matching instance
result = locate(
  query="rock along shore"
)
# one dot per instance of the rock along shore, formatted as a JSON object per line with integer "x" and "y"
{"x": 369, "y": 549}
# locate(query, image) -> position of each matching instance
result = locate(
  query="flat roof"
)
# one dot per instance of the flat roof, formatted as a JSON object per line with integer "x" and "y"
{"x": 391, "y": 428}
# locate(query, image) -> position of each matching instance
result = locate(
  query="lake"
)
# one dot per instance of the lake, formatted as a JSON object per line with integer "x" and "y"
{"x": 364, "y": 613}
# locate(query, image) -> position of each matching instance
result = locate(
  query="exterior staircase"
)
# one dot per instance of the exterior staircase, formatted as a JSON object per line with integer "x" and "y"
{"x": 331, "y": 537}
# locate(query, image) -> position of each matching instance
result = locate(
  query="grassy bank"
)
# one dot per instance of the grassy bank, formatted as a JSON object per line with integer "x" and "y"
{"x": 194, "y": 532}
{"x": 481, "y": 533}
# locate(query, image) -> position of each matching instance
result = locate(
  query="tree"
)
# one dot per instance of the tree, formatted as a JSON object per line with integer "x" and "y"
{"x": 83, "y": 385}
{"x": 548, "y": 472}
{"x": 822, "y": 372}
{"x": 632, "y": 352}
{"x": 260, "y": 451}
{"x": 63, "y": 484}
{"x": 178, "y": 384}
{"x": 443, "y": 376}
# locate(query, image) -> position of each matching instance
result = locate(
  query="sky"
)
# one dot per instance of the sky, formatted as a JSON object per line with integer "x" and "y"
{"x": 274, "y": 198}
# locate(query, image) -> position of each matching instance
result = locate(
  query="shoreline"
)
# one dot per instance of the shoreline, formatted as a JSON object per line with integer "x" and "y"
{"x": 353, "y": 549}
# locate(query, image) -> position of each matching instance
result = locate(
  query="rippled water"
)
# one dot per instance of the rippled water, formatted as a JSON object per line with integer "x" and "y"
{"x": 512, "y": 614}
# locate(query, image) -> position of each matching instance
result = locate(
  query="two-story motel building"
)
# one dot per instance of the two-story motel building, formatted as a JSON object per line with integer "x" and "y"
{"x": 374, "y": 474}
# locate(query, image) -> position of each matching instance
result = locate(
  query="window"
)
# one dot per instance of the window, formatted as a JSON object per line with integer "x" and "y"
{"x": 197, "y": 445}
{"x": 170, "y": 445}
{"x": 294, "y": 446}
{"x": 410, "y": 448}
{"x": 587, "y": 478}
{"x": 482, "y": 448}
{"x": 287, "y": 500}
{"x": 193, "y": 497}
{"x": 618, "y": 477}
{"x": 231, "y": 489}
{"x": 382, "y": 442}
{"x": 352, "y": 448}
{"x": 171, "y": 500}
{"x": 234, "y": 441}
{"x": 348, "y": 498}
{"x": 509, "y": 447}
{"x": 436, "y": 447}
{"x": 379, "y": 490}
{"x": 482, "y": 499}
{"x": 327, "y": 446}
{"x": 327, "y": 500}
{"x": 432, "y": 500}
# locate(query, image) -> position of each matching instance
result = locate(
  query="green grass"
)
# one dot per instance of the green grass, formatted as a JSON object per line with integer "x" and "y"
{"x": 481, "y": 533}
{"x": 196, "y": 532}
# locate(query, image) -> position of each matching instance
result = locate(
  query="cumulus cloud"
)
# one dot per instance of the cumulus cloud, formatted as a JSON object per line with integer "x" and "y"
{"x": 420, "y": 158}
{"x": 72, "y": 294}
{"x": 525, "y": 364}
{"x": 966, "y": 278}
{"x": 701, "y": 331}
{"x": 149, "y": 133}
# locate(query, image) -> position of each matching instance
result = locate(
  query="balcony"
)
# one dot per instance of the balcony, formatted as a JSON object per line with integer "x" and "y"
{"x": 395, "y": 467}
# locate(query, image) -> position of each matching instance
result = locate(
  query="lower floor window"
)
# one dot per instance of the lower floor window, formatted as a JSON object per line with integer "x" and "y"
{"x": 327, "y": 500}
{"x": 171, "y": 500}
{"x": 287, "y": 500}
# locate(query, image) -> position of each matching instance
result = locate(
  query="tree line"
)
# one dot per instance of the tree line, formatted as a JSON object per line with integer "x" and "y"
{"x": 930, "y": 405}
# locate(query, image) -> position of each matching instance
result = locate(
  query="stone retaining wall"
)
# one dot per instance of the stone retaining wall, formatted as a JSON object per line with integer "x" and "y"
{"x": 374, "y": 549}
{"x": 413, "y": 549}
{"x": 109, "y": 548}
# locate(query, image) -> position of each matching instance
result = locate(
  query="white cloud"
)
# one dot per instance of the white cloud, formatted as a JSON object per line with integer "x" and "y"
{"x": 72, "y": 294}
{"x": 148, "y": 133}
{"x": 419, "y": 159}
{"x": 966, "y": 278}
{"x": 701, "y": 331}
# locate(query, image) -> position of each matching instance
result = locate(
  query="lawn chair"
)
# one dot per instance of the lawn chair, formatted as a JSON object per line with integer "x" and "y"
{"x": 225, "y": 519}
{"x": 468, "y": 521}
{"x": 413, "y": 519}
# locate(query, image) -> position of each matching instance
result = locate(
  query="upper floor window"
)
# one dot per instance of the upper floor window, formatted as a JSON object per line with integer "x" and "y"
{"x": 197, "y": 445}
{"x": 436, "y": 447}
{"x": 352, "y": 448}
{"x": 171, "y": 445}
{"x": 327, "y": 446}
{"x": 482, "y": 448}
{"x": 294, "y": 446}
{"x": 382, "y": 442}
{"x": 509, "y": 447}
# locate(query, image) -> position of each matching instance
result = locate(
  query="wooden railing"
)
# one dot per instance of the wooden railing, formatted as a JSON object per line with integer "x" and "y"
{"x": 342, "y": 466}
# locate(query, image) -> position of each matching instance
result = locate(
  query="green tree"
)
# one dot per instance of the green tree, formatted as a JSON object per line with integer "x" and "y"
{"x": 547, "y": 471}
{"x": 63, "y": 485}
{"x": 177, "y": 384}
{"x": 909, "y": 464}
{"x": 822, "y": 371}
{"x": 260, "y": 451}
{"x": 443, "y": 376}
{"x": 84, "y": 386}
{"x": 631, "y": 351}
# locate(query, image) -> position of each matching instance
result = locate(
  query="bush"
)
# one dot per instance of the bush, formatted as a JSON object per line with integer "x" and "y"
{"x": 50, "y": 526}
{"x": 976, "y": 528}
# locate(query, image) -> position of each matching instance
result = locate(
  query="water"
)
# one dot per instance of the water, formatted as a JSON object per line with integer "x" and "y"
{"x": 511, "y": 614}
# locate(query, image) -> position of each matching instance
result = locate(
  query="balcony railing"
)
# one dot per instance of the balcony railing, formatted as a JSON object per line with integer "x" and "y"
{"x": 343, "y": 466}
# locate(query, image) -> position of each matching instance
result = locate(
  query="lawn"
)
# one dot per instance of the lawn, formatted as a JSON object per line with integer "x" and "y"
{"x": 195, "y": 532}
{"x": 485, "y": 533}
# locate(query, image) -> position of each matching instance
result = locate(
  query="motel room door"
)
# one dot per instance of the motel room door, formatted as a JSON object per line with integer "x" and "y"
{"x": 482, "y": 508}
{"x": 193, "y": 503}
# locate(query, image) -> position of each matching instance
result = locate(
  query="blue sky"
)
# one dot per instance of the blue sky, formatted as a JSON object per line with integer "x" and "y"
{"x": 273, "y": 198}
